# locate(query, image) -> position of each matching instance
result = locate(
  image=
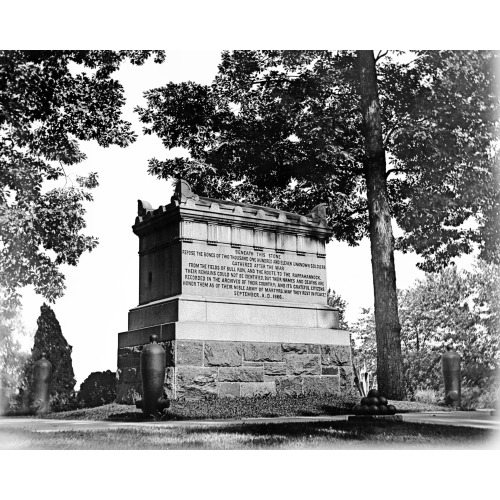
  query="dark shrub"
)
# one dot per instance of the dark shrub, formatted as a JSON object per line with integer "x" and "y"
{"x": 98, "y": 389}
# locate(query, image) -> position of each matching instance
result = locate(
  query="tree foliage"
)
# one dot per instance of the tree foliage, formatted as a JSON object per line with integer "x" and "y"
{"x": 461, "y": 309}
{"x": 284, "y": 129}
{"x": 335, "y": 300}
{"x": 364, "y": 341}
{"x": 12, "y": 358}
{"x": 49, "y": 101}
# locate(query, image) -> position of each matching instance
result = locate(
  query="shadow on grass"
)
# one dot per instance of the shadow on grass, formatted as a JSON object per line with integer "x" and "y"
{"x": 338, "y": 434}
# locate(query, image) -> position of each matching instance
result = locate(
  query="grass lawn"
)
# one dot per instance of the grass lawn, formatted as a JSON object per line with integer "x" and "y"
{"x": 241, "y": 436}
{"x": 238, "y": 408}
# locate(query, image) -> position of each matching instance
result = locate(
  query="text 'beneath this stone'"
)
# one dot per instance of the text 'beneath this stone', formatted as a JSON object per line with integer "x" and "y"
{"x": 230, "y": 272}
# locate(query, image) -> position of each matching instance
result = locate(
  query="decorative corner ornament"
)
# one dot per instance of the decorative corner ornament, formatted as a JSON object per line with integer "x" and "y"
{"x": 183, "y": 192}
{"x": 143, "y": 207}
{"x": 319, "y": 213}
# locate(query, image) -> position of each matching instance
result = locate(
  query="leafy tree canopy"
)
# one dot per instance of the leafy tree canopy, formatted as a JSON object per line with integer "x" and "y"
{"x": 284, "y": 129}
{"x": 50, "y": 100}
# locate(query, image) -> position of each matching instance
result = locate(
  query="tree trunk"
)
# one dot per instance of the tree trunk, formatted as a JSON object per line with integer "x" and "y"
{"x": 388, "y": 328}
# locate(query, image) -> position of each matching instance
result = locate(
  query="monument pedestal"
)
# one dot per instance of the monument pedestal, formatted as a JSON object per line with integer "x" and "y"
{"x": 237, "y": 297}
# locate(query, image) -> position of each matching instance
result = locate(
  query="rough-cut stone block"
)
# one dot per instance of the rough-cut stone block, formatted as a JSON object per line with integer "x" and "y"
{"x": 254, "y": 363}
{"x": 346, "y": 377}
{"x": 292, "y": 386}
{"x": 274, "y": 369}
{"x": 321, "y": 385}
{"x": 128, "y": 363}
{"x": 303, "y": 364}
{"x": 196, "y": 382}
{"x": 337, "y": 355}
{"x": 313, "y": 349}
{"x": 128, "y": 359}
{"x": 297, "y": 348}
{"x": 229, "y": 389}
{"x": 222, "y": 354}
{"x": 129, "y": 375}
{"x": 258, "y": 389}
{"x": 168, "y": 384}
{"x": 189, "y": 353}
{"x": 241, "y": 374}
{"x": 344, "y": 355}
{"x": 169, "y": 352}
{"x": 262, "y": 352}
{"x": 329, "y": 370}
{"x": 126, "y": 353}
{"x": 128, "y": 356}
{"x": 127, "y": 393}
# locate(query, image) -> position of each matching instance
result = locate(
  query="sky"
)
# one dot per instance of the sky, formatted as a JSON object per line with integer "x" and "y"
{"x": 105, "y": 284}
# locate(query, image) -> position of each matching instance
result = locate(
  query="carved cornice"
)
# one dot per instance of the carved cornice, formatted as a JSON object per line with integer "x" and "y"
{"x": 186, "y": 205}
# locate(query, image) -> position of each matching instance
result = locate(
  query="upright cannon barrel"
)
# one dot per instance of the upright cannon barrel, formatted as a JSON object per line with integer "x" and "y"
{"x": 42, "y": 375}
{"x": 153, "y": 364}
{"x": 450, "y": 364}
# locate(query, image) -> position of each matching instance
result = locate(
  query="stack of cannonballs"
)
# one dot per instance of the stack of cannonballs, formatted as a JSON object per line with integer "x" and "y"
{"x": 374, "y": 404}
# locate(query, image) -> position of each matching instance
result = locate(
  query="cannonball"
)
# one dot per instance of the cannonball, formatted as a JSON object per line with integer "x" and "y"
{"x": 383, "y": 409}
{"x": 382, "y": 401}
{"x": 373, "y": 401}
{"x": 363, "y": 410}
{"x": 364, "y": 401}
{"x": 355, "y": 409}
{"x": 373, "y": 410}
{"x": 373, "y": 393}
{"x": 391, "y": 409}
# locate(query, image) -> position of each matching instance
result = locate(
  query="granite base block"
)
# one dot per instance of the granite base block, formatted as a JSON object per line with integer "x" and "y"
{"x": 197, "y": 369}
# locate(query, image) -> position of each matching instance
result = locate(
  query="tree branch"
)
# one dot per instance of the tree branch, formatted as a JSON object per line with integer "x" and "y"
{"x": 393, "y": 170}
{"x": 348, "y": 112}
{"x": 380, "y": 55}
{"x": 289, "y": 78}
{"x": 354, "y": 212}
{"x": 388, "y": 135}
{"x": 265, "y": 80}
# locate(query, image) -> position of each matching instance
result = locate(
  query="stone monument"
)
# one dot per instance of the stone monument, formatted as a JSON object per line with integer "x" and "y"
{"x": 236, "y": 294}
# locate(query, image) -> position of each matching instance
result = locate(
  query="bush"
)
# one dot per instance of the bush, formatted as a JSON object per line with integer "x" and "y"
{"x": 64, "y": 402}
{"x": 429, "y": 396}
{"x": 98, "y": 389}
{"x": 476, "y": 398}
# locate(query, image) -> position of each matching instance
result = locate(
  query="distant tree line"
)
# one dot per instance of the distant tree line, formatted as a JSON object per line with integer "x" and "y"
{"x": 456, "y": 308}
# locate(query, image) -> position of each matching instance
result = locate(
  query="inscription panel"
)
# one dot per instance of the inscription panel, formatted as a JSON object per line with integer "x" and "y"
{"x": 224, "y": 271}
